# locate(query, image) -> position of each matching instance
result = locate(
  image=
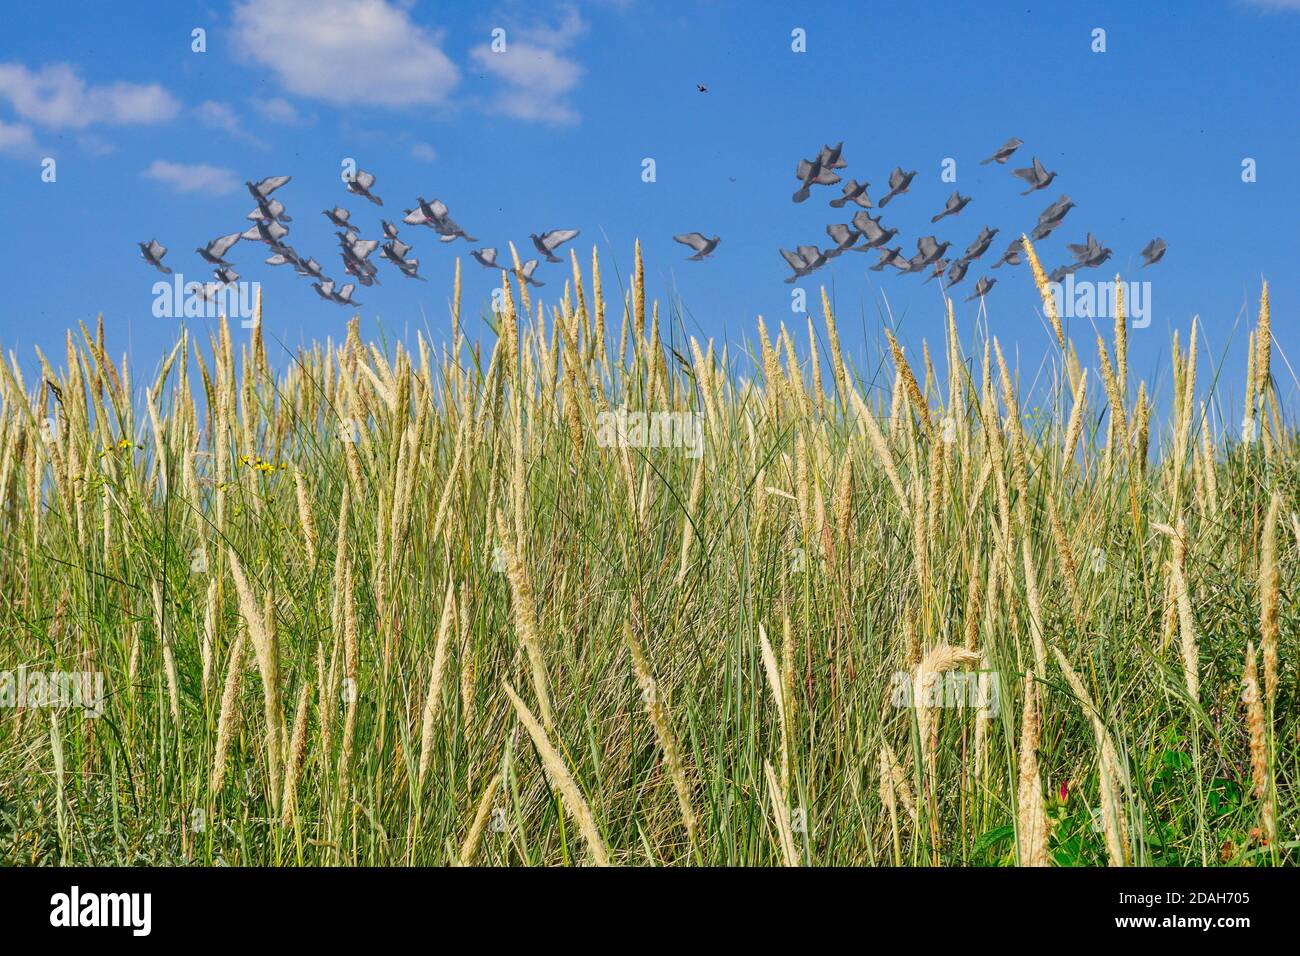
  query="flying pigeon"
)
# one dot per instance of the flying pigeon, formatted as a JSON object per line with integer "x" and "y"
{"x": 548, "y": 242}
{"x": 1085, "y": 250}
{"x": 1050, "y": 219}
{"x": 1012, "y": 254}
{"x": 324, "y": 289}
{"x": 981, "y": 244}
{"x": 812, "y": 174}
{"x": 955, "y": 204}
{"x": 890, "y": 257}
{"x": 958, "y": 271}
{"x": 215, "y": 251}
{"x": 1003, "y": 152}
{"x": 1059, "y": 274}
{"x": 702, "y": 245}
{"x": 284, "y": 255}
{"x": 486, "y": 257}
{"x": 339, "y": 216}
{"x": 152, "y": 252}
{"x": 409, "y": 268}
{"x": 360, "y": 183}
{"x": 272, "y": 210}
{"x": 361, "y": 248}
{"x": 843, "y": 236}
{"x": 871, "y": 230}
{"x": 225, "y": 275}
{"x": 308, "y": 268}
{"x": 435, "y": 216}
{"x": 855, "y": 192}
{"x": 830, "y": 157}
{"x": 1036, "y": 176}
{"x": 390, "y": 231}
{"x": 804, "y": 261}
{"x": 527, "y": 270}
{"x": 899, "y": 181}
{"x": 344, "y": 295}
{"x": 207, "y": 291}
{"x": 267, "y": 186}
{"x": 1153, "y": 252}
{"x": 269, "y": 232}
{"x": 981, "y": 288}
{"x": 931, "y": 249}
{"x": 937, "y": 272}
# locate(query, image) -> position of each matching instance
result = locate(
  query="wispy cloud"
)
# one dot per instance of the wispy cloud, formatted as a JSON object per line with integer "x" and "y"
{"x": 16, "y": 139}
{"x": 535, "y": 71}
{"x": 56, "y": 96}
{"x": 424, "y": 152}
{"x": 278, "y": 110}
{"x": 192, "y": 178}
{"x": 345, "y": 52}
{"x": 220, "y": 116}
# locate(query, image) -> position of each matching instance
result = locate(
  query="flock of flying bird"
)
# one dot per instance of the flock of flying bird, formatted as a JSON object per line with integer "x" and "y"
{"x": 930, "y": 252}
{"x": 269, "y": 218}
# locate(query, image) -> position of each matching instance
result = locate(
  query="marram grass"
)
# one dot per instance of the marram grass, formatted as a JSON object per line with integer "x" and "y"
{"x": 413, "y": 607}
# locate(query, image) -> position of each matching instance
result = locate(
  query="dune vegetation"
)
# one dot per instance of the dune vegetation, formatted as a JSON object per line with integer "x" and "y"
{"x": 595, "y": 592}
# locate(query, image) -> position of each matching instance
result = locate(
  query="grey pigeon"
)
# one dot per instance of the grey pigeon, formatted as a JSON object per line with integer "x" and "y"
{"x": 361, "y": 248}
{"x": 981, "y": 244}
{"x": 1012, "y": 254}
{"x": 1086, "y": 250}
{"x": 267, "y": 186}
{"x": 308, "y": 267}
{"x": 215, "y": 251}
{"x": 871, "y": 230}
{"x": 361, "y": 184}
{"x": 208, "y": 290}
{"x": 1036, "y": 176}
{"x": 812, "y": 174}
{"x": 899, "y": 181}
{"x": 890, "y": 257}
{"x": 486, "y": 257}
{"x": 843, "y": 236}
{"x": 390, "y": 231}
{"x": 855, "y": 192}
{"x": 955, "y": 204}
{"x": 344, "y": 295}
{"x": 1153, "y": 252}
{"x": 527, "y": 270}
{"x": 830, "y": 157}
{"x": 548, "y": 242}
{"x": 409, "y": 269}
{"x": 804, "y": 261}
{"x": 931, "y": 248}
{"x": 390, "y": 252}
{"x": 283, "y": 256}
{"x": 1050, "y": 219}
{"x": 269, "y": 232}
{"x": 271, "y": 210}
{"x": 958, "y": 271}
{"x": 1059, "y": 274}
{"x": 435, "y": 215}
{"x": 324, "y": 289}
{"x": 152, "y": 252}
{"x": 981, "y": 288}
{"x": 225, "y": 275}
{"x": 702, "y": 245}
{"x": 340, "y": 216}
{"x": 1003, "y": 152}
{"x": 1094, "y": 258}
{"x": 937, "y": 270}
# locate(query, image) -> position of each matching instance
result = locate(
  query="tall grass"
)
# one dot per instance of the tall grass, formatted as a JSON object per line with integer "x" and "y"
{"x": 400, "y": 606}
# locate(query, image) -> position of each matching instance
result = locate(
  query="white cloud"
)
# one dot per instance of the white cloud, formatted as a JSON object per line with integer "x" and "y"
{"x": 191, "y": 178}
{"x": 424, "y": 152}
{"x": 56, "y": 96}
{"x": 345, "y": 52}
{"x": 220, "y": 116}
{"x": 278, "y": 110}
{"x": 535, "y": 74}
{"x": 16, "y": 139}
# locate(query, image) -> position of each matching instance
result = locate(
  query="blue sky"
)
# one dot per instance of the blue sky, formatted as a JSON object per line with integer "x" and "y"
{"x": 153, "y": 140}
